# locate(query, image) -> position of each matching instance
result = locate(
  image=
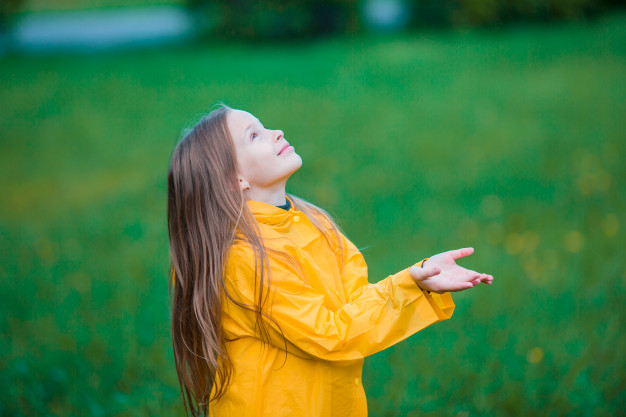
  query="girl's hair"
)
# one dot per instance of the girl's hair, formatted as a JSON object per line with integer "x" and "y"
{"x": 206, "y": 215}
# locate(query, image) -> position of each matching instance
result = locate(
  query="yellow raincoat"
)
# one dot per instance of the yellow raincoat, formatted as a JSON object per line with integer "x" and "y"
{"x": 331, "y": 318}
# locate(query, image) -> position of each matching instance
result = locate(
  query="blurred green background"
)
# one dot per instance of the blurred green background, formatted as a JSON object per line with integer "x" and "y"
{"x": 509, "y": 139}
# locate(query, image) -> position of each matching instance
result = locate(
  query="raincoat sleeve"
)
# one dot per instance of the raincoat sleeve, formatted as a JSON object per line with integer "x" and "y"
{"x": 374, "y": 317}
{"x": 354, "y": 275}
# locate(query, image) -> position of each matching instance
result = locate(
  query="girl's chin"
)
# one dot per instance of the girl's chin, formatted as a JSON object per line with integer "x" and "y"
{"x": 295, "y": 167}
{"x": 299, "y": 164}
{"x": 297, "y": 161}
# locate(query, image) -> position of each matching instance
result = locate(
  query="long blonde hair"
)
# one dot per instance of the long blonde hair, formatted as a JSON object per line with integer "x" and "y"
{"x": 206, "y": 215}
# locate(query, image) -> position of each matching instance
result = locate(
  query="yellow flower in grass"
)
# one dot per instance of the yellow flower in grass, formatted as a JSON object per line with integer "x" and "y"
{"x": 531, "y": 240}
{"x": 574, "y": 241}
{"x": 610, "y": 225}
{"x": 533, "y": 268}
{"x": 514, "y": 243}
{"x": 535, "y": 355}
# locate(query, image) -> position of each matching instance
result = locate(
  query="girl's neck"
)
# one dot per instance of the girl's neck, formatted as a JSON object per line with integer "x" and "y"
{"x": 271, "y": 195}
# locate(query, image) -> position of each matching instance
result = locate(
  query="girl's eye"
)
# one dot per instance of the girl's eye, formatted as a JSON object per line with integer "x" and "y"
{"x": 253, "y": 136}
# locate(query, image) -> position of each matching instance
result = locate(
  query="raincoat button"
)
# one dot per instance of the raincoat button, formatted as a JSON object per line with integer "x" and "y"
{"x": 356, "y": 381}
{"x": 296, "y": 218}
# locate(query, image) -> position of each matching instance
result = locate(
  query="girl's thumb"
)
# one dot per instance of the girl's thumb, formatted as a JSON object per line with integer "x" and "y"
{"x": 420, "y": 274}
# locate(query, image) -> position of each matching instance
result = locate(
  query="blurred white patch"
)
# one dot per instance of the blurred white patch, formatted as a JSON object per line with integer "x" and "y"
{"x": 101, "y": 29}
{"x": 386, "y": 15}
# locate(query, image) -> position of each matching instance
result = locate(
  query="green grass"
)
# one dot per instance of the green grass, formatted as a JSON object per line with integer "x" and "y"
{"x": 508, "y": 141}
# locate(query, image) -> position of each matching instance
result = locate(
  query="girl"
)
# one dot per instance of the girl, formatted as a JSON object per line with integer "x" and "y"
{"x": 272, "y": 312}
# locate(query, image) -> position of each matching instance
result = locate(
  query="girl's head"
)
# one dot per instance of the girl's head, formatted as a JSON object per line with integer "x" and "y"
{"x": 227, "y": 158}
{"x": 230, "y": 150}
{"x": 265, "y": 159}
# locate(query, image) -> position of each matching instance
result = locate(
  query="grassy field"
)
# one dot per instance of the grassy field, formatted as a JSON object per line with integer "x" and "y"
{"x": 509, "y": 141}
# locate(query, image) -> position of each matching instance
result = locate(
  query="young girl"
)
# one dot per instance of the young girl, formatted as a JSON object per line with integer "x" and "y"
{"x": 272, "y": 311}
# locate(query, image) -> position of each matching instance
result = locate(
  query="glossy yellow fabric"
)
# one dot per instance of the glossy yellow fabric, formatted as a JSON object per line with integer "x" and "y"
{"x": 331, "y": 318}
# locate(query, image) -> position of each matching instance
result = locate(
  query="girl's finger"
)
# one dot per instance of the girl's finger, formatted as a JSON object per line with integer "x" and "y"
{"x": 421, "y": 274}
{"x": 430, "y": 271}
{"x": 459, "y": 286}
{"x": 486, "y": 278}
{"x": 469, "y": 275}
{"x": 459, "y": 253}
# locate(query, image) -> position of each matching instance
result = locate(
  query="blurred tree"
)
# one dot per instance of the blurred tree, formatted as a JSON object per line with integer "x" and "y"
{"x": 488, "y": 12}
{"x": 273, "y": 19}
{"x": 276, "y": 19}
{"x": 479, "y": 12}
{"x": 432, "y": 12}
{"x": 8, "y": 9}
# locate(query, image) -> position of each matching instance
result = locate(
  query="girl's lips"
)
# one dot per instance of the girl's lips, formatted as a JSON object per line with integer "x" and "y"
{"x": 287, "y": 146}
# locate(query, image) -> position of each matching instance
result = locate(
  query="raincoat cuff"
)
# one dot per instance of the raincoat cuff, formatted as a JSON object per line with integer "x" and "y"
{"x": 405, "y": 287}
{"x": 441, "y": 304}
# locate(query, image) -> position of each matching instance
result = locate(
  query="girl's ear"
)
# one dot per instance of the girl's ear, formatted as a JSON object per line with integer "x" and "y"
{"x": 243, "y": 184}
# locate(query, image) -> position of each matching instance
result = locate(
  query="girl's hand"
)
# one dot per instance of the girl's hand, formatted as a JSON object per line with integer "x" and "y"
{"x": 440, "y": 273}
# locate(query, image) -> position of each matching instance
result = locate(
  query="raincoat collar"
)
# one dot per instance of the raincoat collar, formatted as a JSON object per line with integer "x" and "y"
{"x": 269, "y": 214}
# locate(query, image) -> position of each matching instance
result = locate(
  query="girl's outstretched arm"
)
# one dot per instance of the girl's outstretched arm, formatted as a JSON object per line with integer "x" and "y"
{"x": 314, "y": 323}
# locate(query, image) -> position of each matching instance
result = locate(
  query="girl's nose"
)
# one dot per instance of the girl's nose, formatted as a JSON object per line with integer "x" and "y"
{"x": 279, "y": 135}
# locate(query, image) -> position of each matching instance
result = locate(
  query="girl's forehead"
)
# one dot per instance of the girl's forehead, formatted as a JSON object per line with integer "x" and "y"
{"x": 241, "y": 116}
{"x": 239, "y": 121}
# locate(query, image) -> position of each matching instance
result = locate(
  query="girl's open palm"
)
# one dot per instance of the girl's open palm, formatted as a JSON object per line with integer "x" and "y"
{"x": 440, "y": 273}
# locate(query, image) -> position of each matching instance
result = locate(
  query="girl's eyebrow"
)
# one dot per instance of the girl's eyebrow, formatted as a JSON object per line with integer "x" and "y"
{"x": 252, "y": 124}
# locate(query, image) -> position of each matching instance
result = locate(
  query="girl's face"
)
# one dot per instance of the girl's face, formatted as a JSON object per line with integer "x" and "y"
{"x": 264, "y": 157}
